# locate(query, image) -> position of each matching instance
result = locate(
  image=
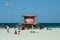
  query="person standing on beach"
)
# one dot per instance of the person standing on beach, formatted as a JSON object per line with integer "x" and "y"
{"x": 15, "y": 26}
{"x": 2, "y": 26}
{"x": 18, "y": 31}
{"x": 47, "y": 28}
{"x": 41, "y": 27}
{"x": 15, "y": 32}
{"x": 7, "y": 27}
{"x": 32, "y": 27}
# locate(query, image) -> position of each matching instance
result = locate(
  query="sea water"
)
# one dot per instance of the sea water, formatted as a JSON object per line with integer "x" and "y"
{"x": 52, "y": 25}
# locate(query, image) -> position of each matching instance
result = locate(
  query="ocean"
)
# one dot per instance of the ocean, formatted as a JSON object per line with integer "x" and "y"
{"x": 52, "y": 25}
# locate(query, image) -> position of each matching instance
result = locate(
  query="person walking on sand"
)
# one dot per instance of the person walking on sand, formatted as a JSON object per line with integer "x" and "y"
{"x": 7, "y": 27}
{"x": 18, "y": 32}
{"x": 15, "y": 32}
{"x": 2, "y": 26}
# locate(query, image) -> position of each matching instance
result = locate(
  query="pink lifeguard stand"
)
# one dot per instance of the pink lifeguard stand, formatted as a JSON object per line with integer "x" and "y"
{"x": 29, "y": 19}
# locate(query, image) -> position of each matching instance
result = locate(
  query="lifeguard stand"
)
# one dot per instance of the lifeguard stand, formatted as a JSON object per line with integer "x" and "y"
{"x": 29, "y": 19}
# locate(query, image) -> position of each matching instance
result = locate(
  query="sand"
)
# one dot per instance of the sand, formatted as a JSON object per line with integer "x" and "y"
{"x": 53, "y": 34}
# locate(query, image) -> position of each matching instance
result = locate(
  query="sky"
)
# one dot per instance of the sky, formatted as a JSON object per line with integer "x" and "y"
{"x": 47, "y": 11}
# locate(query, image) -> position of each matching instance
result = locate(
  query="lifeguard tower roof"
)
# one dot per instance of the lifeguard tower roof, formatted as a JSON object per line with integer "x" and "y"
{"x": 29, "y": 15}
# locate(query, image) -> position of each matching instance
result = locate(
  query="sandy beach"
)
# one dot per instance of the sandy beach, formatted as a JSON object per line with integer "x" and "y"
{"x": 53, "y": 34}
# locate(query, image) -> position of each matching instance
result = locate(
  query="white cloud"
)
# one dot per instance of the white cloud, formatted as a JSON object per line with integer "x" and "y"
{"x": 6, "y": 4}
